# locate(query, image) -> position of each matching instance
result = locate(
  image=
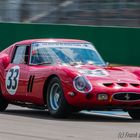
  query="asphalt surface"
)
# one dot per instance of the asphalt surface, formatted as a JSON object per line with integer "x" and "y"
{"x": 25, "y": 124}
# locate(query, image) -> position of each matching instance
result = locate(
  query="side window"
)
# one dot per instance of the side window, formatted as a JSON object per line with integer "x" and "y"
{"x": 40, "y": 56}
{"x": 20, "y": 56}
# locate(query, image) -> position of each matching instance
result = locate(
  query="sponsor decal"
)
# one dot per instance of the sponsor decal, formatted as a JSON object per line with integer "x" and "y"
{"x": 95, "y": 73}
{"x": 63, "y": 45}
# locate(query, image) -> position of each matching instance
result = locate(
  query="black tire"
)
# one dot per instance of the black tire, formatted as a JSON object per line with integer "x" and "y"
{"x": 135, "y": 114}
{"x": 59, "y": 108}
{"x": 3, "y": 104}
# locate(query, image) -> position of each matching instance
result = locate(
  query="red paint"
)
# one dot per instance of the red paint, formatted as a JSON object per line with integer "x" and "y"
{"x": 67, "y": 74}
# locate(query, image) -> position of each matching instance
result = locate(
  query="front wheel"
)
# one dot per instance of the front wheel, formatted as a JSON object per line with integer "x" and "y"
{"x": 3, "y": 104}
{"x": 56, "y": 102}
{"x": 135, "y": 114}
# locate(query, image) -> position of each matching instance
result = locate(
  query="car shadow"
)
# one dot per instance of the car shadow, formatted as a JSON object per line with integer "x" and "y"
{"x": 39, "y": 114}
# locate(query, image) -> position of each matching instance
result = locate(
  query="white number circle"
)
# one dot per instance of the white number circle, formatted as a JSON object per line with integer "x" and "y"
{"x": 12, "y": 78}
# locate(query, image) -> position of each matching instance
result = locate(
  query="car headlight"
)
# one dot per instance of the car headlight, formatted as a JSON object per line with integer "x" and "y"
{"x": 81, "y": 84}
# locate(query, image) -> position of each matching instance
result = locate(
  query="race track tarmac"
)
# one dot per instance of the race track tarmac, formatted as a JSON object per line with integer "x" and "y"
{"x": 18, "y": 123}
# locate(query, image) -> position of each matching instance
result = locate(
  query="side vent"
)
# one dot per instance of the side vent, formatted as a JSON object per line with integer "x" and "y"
{"x": 30, "y": 83}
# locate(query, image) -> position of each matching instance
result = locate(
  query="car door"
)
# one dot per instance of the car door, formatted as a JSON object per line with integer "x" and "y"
{"x": 16, "y": 74}
{"x": 39, "y": 69}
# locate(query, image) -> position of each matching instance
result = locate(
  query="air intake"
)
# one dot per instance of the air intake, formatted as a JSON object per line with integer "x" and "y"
{"x": 135, "y": 85}
{"x": 126, "y": 96}
{"x": 108, "y": 84}
{"x": 122, "y": 84}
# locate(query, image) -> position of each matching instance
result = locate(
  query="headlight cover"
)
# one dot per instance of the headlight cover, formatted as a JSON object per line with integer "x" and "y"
{"x": 82, "y": 85}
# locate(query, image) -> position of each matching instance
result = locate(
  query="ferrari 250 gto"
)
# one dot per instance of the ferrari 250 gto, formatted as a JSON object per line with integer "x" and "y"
{"x": 65, "y": 76}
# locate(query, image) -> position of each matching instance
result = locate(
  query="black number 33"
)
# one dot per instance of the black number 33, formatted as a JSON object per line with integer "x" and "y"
{"x": 12, "y": 79}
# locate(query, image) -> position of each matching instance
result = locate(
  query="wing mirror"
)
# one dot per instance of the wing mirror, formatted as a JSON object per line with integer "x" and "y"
{"x": 107, "y": 64}
{"x": 5, "y": 59}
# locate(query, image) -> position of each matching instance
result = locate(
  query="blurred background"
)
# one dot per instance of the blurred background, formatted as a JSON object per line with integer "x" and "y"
{"x": 82, "y": 12}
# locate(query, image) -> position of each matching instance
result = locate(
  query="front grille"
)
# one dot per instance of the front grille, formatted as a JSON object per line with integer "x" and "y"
{"x": 128, "y": 96}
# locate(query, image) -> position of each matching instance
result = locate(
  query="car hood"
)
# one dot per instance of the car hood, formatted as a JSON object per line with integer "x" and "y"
{"x": 107, "y": 74}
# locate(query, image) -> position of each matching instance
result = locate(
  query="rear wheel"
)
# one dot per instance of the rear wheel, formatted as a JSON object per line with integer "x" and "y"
{"x": 135, "y": 114}
{"x": 3, "y": 104}
{"x": 56, "y": 102}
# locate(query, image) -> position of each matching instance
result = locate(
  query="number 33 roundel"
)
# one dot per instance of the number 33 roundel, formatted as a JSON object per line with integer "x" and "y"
{"x": 12, "y": 79}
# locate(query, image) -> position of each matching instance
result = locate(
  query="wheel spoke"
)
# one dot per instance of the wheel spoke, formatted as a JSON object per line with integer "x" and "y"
{"x": 55, "y": 94}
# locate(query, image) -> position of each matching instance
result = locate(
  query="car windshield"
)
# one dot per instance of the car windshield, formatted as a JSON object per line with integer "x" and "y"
{"x": 65, "y": 53}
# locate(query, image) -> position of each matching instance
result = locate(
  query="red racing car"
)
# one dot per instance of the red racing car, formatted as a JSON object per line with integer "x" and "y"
{"x": 64, "y": 76}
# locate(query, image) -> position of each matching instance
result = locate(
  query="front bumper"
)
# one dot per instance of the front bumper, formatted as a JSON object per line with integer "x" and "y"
{"x": 122, "y": 98}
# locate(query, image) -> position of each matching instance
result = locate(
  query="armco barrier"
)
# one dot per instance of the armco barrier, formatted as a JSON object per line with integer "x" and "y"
{"x": 116, "y": 45}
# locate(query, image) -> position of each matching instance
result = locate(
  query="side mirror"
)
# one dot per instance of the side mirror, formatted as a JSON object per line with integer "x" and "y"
{"x": 5, "y": 59}
{"x": 107, "y": 64}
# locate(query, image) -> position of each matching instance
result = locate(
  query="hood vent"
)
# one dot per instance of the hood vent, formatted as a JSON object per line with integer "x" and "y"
{"x": 108, "y": 84}
{"x": 135, "y": 85}
{"x": 121, "y": 84}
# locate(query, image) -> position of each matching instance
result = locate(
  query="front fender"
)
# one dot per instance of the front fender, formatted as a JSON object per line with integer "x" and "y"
{"x": 133, "y": 70}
